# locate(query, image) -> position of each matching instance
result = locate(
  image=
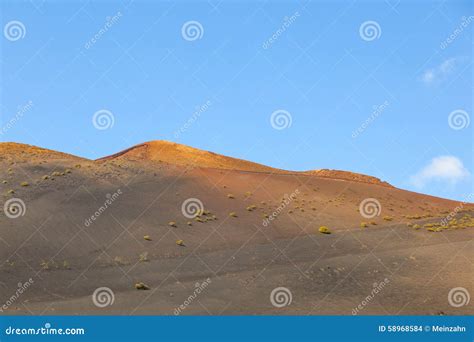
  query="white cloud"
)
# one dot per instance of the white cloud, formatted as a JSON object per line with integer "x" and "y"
{"x": 448, "y": 169}
{"x": 441, "y": 72}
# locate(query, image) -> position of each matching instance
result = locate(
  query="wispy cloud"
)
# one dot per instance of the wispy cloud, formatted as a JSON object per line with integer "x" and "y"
{"x": 441, "y": 72}
{"x": 447, "y": 169}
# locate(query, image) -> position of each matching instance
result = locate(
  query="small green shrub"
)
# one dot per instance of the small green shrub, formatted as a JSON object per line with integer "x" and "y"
{"x": 141, "y": 286}
{"x": 324, "y": 230}
{"x": 143, "y": 257}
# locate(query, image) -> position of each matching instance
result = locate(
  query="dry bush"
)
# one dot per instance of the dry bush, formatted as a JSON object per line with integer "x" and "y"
{"x": 324, "y": 230}
{"x": 141, "y": 286}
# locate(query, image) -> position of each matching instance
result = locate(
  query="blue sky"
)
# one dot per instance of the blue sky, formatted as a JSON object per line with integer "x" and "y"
{"x": 363, "y": 86}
